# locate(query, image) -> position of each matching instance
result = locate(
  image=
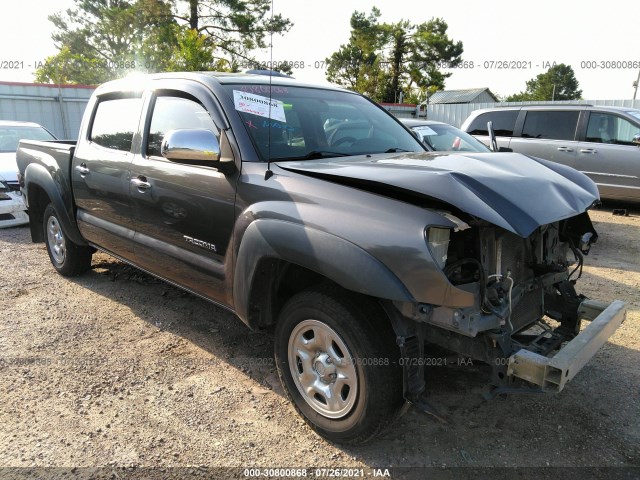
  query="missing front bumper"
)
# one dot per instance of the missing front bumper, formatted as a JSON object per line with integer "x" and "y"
{"x": 552, "y": 373}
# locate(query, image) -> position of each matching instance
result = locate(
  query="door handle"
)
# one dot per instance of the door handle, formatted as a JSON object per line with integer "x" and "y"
{"x": 82, "y": 169}
{"x": 565, "y": 149}
{"x": 141, "y": 183}
{"x": 588, "y": 150}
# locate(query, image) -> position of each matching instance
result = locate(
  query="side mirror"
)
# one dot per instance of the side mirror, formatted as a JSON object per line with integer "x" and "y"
{"x": 193, "y": 146}
{"x": 636, "y": 139}
{"x": 493, "y": 142}
{"x": 198, "y": 147}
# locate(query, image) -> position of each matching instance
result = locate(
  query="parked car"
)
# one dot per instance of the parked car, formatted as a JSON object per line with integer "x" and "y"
{"x": 313, "y": 212}
{"x": 601, "y": 142}
{"x": 443, "y": 137}
{"x": 12, "y": 206}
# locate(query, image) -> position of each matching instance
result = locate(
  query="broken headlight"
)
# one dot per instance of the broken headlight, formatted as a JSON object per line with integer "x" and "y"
{"x": 438, "y": 241}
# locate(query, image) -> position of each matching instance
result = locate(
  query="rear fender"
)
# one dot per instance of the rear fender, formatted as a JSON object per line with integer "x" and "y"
{"x": 37, "y": 177}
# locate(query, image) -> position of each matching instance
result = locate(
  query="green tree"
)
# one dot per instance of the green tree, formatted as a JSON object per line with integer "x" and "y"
{"x": 66, "y": 67}
{"x": 557, "y": 83}
{"x": 99, "y": 40}
{"x": 385, "y": 60}
{"x": 429, "y": 47}
{"x": 192, "y": 53}
{"x": 234, "y": 27}
{"x": 160, "y": 40}
{"x": 357, "y": 65}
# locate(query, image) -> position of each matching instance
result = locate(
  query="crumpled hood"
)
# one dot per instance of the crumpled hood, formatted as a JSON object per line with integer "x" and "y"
{"x": 514, "y": 191}
{"x": 8, "y": 166}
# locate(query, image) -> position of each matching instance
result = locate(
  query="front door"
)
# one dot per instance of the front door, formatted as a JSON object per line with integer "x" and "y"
{"x": 184, "y": 214}
{"x": 609, "y": 156}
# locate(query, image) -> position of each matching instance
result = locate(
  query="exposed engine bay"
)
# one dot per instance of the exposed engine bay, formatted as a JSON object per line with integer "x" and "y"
{"x": 518, "y": 279}
{"x": 525, "y": 296}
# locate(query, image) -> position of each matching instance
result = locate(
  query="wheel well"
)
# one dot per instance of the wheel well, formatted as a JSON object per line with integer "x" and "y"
{"x": 276, "y": 281}
{"x": 38, "y": 201}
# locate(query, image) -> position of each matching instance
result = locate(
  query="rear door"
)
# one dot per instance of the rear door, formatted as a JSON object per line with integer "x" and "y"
{"x": 100, "y": 173}
{"x": 184, "y": 213}
{"x": 609, "y": 157}
{"x": 549, "y": 134}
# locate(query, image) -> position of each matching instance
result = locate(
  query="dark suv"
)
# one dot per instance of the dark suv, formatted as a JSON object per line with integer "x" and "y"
{"x": 602, "y": 142}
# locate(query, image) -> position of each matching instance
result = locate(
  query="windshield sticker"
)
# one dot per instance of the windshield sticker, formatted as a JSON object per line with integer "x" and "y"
{"x": 268, "y": 124}
{"x": 424, "y": 130}
{"x": 259, "y": 105}
{"x": 266, "y": 89}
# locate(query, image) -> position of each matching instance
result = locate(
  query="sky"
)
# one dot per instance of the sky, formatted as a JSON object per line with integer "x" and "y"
{"x": 598, "y": 39}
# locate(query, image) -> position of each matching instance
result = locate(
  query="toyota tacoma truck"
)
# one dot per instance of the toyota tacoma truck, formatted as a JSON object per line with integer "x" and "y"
{"x": 312, "y": 212}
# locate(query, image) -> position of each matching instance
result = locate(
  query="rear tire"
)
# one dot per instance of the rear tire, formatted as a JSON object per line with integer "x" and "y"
{"x": 68, "y": 258}
{"x": 338, "y": 361}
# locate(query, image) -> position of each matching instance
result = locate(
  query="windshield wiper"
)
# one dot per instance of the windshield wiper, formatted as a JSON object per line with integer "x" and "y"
{"x": 313, "y": 155}
{"x": 324, "y": 153}
{"x": 396, "y": 149}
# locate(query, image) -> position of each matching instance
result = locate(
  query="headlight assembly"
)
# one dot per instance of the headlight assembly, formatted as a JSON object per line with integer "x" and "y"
{"x": 438, "y": 241}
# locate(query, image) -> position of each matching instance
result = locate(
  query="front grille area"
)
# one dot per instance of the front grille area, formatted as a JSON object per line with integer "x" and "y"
{"x": 514, "y": 257}
{"x": 505, "y": 253}
{"x": 528, "y": 310}
{"x": 6, "y": 216}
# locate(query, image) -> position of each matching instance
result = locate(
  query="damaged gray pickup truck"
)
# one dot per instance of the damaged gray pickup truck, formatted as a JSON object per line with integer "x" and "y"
{"x": 312, "y": 211}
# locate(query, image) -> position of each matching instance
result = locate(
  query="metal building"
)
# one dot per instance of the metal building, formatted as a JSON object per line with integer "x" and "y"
{"x": 59, "y": 108}
{"x": 400, "y": 110}
{"x": 469, "y": 95}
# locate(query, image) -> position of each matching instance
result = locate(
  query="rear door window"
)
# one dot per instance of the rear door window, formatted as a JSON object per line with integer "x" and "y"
{"x": 551, "y": 125}
{"x": 115, "y": 122}
{"x": 503, "y": 123}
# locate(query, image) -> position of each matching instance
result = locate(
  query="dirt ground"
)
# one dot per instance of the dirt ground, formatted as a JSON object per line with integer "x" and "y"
{"x": 115, "y": 368}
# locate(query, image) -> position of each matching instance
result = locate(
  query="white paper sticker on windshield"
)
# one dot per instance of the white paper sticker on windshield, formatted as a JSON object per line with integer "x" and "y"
{"x": 259, "y": 105}
{"x": 424, "y": 130}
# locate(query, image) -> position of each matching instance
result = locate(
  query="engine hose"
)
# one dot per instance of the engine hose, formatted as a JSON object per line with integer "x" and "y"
{"x": 579, "y": 258}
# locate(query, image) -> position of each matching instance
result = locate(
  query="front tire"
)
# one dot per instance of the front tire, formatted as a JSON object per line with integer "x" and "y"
{"x": 338, "y": 361}
{"x": 68, "y": 258}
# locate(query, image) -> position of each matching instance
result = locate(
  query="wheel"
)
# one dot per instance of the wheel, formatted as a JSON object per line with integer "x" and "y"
{"x": 338, "y": 361}
{"x": 67, "y": 258}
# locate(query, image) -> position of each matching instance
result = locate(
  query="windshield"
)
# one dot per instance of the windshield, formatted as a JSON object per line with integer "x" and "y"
{"x": 305, "y": 123}
{"x": 635, "y": 114}
{"x": 10, "y": 136}
{"x": 443, "y": 137}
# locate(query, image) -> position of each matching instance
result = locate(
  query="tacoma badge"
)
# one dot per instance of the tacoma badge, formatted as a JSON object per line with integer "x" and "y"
{"x": 200, "y": 243}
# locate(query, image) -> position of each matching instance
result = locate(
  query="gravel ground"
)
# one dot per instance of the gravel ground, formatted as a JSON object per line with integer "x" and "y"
{"x": 115, "y": 368}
